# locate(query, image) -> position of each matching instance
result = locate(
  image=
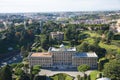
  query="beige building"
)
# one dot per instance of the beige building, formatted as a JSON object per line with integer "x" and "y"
{"x": 57, "y": 35}
{"x": 69, "y": 57}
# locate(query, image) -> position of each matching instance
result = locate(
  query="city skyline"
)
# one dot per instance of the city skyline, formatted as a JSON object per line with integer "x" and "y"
{"x": 13, "y": 6}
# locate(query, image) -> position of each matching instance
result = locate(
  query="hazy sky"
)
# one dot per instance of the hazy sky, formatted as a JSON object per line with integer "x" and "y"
{"x": 57, "y": 5}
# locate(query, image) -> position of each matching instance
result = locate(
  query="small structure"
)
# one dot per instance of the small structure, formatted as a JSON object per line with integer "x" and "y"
{"x": 57, "y": 35}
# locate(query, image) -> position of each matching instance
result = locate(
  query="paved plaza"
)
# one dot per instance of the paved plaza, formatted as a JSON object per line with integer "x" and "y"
{"x": 71, "y": 73}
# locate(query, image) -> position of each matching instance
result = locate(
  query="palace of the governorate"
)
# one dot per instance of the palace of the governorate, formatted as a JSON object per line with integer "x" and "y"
{"x": 62, "y": 56}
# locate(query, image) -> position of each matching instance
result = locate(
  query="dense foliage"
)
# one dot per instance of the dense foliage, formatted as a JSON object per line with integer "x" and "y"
{"x": 112, "y": 70}
{"x": 6, "y": 73}
{"x": 83, "y": 68}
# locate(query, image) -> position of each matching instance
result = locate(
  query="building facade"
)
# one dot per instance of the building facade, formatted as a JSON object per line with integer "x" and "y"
{"x": 63, "y": 57}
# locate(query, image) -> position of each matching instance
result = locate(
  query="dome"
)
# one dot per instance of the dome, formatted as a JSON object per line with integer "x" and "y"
{"x": 62, "y": 47}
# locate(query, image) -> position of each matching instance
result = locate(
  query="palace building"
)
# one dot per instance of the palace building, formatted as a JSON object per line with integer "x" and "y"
{"x": 63, "y": 57}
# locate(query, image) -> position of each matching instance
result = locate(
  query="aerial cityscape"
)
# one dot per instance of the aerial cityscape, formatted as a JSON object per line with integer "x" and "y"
{"x": 59, "y": 40}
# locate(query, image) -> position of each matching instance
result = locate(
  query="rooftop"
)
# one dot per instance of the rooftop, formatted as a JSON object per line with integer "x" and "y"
{"x": 41, "y": 54}
{"x": 62, "y": 49}
{"x": 86, "y": 54}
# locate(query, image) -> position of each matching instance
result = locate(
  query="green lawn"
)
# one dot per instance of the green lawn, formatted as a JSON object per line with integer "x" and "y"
{"x": 107, "y": 47}
{"x": 93, "y": 75}
{"x": 89, "y": 40}
{"x": 116, "y": 42}
{"x": 61, "y": 76}
{"x": 114, "y": 46}
{"x": 92, "y": 34}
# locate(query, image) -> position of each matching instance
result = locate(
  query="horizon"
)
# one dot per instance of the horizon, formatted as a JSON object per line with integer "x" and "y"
{"x": 57, "y": 12}
{"x": 46, "y": 6}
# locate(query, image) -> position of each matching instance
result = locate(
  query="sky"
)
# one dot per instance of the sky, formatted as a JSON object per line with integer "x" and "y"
{"x": 13, "y": 6}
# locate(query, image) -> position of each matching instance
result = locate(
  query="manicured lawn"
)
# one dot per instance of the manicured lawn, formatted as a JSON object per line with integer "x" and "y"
{"x": 93, "y": 75}
{"x": 107, "y": 47}
{"x": 116, "y": 42}
{"x": 92, "y": 34}
{"x": 89, "y": 40}
{"x": 62, "y": 76}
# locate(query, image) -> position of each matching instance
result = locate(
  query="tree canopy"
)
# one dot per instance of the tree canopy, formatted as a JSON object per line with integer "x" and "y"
{"x": 6, "y": 73}
{"x": 112, "y": 70}
{"x": 83, "y": 68}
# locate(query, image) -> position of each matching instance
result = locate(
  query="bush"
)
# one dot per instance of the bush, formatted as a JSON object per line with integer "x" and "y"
{"x": 101, "y": 64}
{"x": 19, "y": 65}
{"x": 18, "y": 71}
{"x": 117, "y": 37}
{"x": 13, "y": 65}
{"x": 83, "y": 68}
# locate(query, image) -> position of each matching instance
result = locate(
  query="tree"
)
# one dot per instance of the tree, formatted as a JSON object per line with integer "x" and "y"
{"x": 24, "y": 77}
{"x": 40, "y": 78}
{"x": 26, "y": 66}
{"x": 34, "y": 70}
{"x": 112, "y": 70}
{"x": 109, "y": 36}
{"x": 88, "y": 77}
{"x": 44, "y": 41}
{"x": 83, "y": 47}
{"x": 101, "y": 63}
{"x": 6, "y": 73}
{"x": 18, "y": 71}
{"x": 83, "y": 68}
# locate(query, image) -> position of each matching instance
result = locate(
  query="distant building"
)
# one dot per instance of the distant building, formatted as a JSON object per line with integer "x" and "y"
{"x": 115, "y": 28}
{"x": 30, "y": 21}
{"x": 68, "y": 57}
{"x": 57, "y": 35}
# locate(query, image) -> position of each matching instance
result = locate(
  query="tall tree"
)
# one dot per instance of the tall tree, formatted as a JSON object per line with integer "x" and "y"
{"x": 109, "y": 36}
{"x": 6, "y": 73}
